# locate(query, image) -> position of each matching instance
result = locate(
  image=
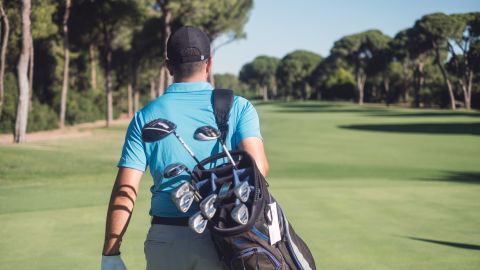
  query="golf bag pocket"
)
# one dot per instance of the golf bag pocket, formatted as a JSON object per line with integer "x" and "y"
{"x": 256, "y": 257}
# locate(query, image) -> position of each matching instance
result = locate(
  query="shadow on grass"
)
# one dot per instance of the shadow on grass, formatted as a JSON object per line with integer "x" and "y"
{"x": 459, "y": 177}
{"x": 325, "y": 108}
{"x": 427, "y": 114}
{"x": 425, "y": 128}
{"x": 445, "y": 243}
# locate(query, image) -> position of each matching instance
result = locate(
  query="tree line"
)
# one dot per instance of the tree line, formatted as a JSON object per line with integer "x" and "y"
{"x": 65, "y": 62}
{"x": 434, "y": 63}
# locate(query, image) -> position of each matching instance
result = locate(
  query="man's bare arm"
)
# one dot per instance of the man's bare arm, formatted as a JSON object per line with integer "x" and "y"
{"x": 254, "y": 146}
{"x": 122, "y": 200}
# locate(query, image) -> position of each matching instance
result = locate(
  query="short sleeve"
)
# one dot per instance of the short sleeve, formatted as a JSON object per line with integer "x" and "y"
{"x": 248, "y": 124}
{"x": 133, "y": 153}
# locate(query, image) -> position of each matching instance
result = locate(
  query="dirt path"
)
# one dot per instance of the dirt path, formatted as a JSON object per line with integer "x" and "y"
{"x": 75, "y": 131}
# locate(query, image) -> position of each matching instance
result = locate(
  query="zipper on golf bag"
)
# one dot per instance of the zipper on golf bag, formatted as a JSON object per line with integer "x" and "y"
{"x": 253, "y": 256}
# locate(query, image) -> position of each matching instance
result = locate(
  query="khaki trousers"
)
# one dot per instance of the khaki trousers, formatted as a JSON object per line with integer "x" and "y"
{"x": 179, "y": 248}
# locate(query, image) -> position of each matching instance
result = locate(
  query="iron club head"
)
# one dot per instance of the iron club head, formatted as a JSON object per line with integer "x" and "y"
{"x": 180, "y": 191}
{"x": 197, "y": 222}
{"x": 242, "y": 191}
{"x": 175, "y": 169}
{"x": 207, "y": 206}
{"x": 240, "y": 214}
{"x": 183, "y": 203}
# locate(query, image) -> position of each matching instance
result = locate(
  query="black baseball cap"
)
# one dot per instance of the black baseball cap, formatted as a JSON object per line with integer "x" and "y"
{"x": 188, "y": 44}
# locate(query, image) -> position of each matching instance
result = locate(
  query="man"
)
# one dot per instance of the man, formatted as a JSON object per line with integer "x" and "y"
{"x": 170, "y": 243}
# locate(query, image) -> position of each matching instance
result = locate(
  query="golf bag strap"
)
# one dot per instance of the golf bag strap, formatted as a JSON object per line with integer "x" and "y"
{"x": 222, "y": 100}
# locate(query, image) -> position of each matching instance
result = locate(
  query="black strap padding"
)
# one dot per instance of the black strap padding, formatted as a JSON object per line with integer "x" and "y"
{"x": 222, "y": 100}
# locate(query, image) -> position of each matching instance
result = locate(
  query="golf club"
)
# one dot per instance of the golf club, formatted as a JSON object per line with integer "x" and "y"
{"x": 176, "y": 169}
{"x": 240, "y": 214}
{"x": 207, "y": 206}
{"x": 242, "y": 191}
{"x": 185, "y": 201}
{"x": 208, "y": 133}
{"x": 160, "y": 128}
{"x": 197, "y": 222}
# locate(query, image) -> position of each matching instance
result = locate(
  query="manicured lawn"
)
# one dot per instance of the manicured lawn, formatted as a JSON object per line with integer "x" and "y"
{"x": 366, "y": 187}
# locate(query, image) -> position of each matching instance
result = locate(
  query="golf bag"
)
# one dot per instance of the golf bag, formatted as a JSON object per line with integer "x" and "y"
{"x": 248, "y": 246}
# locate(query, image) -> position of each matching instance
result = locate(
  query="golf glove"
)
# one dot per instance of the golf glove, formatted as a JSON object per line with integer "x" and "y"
{"x": 113, "y": 263}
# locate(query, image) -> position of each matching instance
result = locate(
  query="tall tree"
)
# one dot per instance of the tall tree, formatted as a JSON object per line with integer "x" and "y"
{"x": 66, "y": 62}
{"x": 261, "y": 72}
{"x": 436, "y": 29}
{"x": 293, "y": 72}
{"x": 461, "y": 39}
{"x": 5, "y": 27}
{"x": 358, "y": 50}
{"x": 22, "y": 69}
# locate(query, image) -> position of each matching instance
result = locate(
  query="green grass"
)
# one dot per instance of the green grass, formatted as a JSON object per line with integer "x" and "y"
{"x": 366, "y": 187}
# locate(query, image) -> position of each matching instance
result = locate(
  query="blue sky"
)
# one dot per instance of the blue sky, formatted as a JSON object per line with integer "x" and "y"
{"x": 277, "y": 27}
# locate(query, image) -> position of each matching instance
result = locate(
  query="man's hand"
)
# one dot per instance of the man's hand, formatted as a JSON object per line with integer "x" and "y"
{"x": 113, "y": 263}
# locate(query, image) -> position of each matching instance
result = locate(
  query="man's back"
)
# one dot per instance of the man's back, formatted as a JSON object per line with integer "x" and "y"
{"x": 189, "y": 106}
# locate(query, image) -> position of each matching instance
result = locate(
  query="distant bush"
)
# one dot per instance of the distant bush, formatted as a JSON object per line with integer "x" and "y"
{"x": 41, "y": 117}
{"x": 85, "y": 106}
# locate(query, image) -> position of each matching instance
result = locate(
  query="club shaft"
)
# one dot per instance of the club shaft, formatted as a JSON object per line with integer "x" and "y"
{"x": 188, "y": 149}
{"x": 228, "y": 154}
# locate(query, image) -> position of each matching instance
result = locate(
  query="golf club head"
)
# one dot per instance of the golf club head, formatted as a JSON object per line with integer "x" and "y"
{"x": 207, "y": 206}
{"x": 183, "y": 203}
{"x": 206, "y": 133}
{"x": 174, "y": 169}
{"x": 242, "y": 191}
{"x": 180, "y": 191}
{"x": 157, "y": 130}
{"x": 240, "y": 214}
{"x": 197, "y": 222}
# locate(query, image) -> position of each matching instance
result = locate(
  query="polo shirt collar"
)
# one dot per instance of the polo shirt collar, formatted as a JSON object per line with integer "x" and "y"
{"x": 188, "y": 87}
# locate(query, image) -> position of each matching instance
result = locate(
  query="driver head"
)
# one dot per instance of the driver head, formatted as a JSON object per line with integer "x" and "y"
{"x": 206, "y": 133}
{"x": 157, "y": 130}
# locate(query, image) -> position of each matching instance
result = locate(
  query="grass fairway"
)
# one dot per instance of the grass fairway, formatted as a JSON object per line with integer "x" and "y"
{"x": 366, "y": 187}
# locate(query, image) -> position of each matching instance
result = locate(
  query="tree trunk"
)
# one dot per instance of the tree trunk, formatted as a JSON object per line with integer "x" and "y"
{"x": 152, "y": 89}
{"x": 405, "y": 94}
{"x": 386, "y": 86}
{"x": 467, "y": 89}
{"x": 30, "y": 75}
{"x": 22, "y": 68}
{"x": 361, "y": 79}
{"x": 130, "y": 100}
{"x": 136, "y": 99}
{"x": 265, "y": 92}
{"x": 93, "y": 66}
{"x": 161, "y": 81}
{"x": 445, "y": 78}
{"x": 108, "y": 77}
{"x": 66, "y": 62}
{"x": 108, "y": 88}
{"x": 3, "y": 54}
{"x": 420, "y": 74}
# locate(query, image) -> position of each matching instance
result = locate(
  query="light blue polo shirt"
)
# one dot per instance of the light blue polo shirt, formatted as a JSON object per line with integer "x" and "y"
{"x": 189, "y": 106}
